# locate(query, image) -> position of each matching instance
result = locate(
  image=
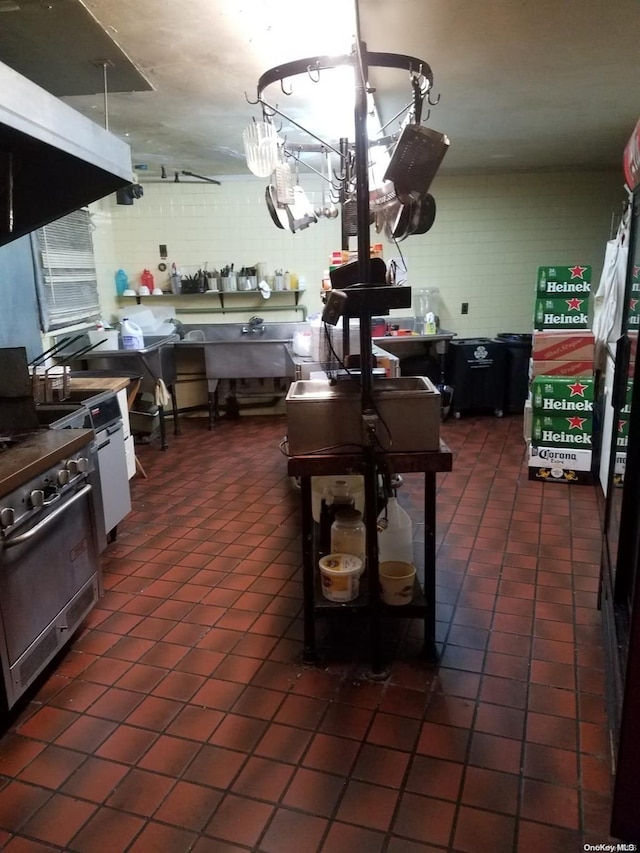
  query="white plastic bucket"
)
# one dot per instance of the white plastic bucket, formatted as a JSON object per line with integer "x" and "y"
{"x": 396, "y": 582}
{"x": 340, "y": 576}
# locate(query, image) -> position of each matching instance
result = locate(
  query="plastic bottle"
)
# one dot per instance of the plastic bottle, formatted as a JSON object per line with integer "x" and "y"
{"x": 348, "y": 533}
{"x": 147, "y": 279}
{"x": 122, "y": 282}
{"x": 395, "y": 540}
{"x": 132, "y": 337}
{"x": 175, "y": 281}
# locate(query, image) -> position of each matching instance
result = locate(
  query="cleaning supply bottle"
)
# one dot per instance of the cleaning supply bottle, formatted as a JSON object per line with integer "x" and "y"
{"x": 122, "y": 282}
{"x": 147, "y": 279}
{"x": 395, "y": 535}
{"x": 132, "y": 337}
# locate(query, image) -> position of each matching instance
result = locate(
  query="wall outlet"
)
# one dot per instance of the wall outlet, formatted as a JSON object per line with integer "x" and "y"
{"x": 163, "y": 250}
{"x": 464, "y": 308}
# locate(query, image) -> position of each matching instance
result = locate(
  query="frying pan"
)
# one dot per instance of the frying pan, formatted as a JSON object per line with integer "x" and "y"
{"x": 426, "y": 214}
{"x": 277, "y": 214}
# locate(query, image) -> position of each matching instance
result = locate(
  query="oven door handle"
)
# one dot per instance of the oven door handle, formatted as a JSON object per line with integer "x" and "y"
{"x": 30, "y": 534}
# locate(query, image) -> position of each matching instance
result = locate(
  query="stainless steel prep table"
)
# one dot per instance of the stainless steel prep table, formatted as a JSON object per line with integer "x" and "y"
{"x": 155, "y": 361}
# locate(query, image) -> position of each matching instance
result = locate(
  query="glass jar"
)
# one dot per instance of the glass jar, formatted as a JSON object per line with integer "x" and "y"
{"x": 348, "y": 533}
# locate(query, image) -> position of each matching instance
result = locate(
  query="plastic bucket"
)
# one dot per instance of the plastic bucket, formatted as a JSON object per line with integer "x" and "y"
{"x": 396, "y": 582}
{"x": 340, "y": 576}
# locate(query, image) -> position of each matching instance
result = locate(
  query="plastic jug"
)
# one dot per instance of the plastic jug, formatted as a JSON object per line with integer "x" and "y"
{"x": 122, "y": 282}
{"x": 132, "y": 337}
{"x": 395, "y": 539}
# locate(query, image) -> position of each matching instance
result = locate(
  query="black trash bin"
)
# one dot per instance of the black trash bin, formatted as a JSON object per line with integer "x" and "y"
{"x": 518, "y": 354}
{"x": 476, "y": 370}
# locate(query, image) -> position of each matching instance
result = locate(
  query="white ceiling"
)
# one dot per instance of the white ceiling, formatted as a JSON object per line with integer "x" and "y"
{"x": 524, "y": 84}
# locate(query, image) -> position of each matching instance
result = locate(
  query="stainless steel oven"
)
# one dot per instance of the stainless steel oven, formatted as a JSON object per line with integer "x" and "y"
{"x": 49, "y": 551}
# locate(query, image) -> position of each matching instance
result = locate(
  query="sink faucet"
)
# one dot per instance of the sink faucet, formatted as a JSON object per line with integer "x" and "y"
{"x": 256, "y": 326}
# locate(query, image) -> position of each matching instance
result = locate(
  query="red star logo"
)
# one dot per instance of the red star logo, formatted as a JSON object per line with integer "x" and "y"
{"x": 636, "y": 270}
{"x": 577, "y": 389}
{"x": 577, "y": 271}
{"x": 574, "y": 304}
{"x": 576, "y": 422}
{"x": 632, "y": 304}
{"x": 621, "y": 425}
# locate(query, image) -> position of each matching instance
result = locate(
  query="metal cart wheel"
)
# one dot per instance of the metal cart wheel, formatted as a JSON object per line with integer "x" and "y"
{"x": 499, "y": 413}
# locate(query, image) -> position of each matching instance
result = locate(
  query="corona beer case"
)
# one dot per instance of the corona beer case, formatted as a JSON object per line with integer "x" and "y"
{"x": 560, "y": 465}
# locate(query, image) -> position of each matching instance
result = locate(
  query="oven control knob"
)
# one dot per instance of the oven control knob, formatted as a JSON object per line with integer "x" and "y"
{"x": 7, "y": 516}
{"x": 63, "y": 477}
{"x": 72, "y": 467}
{"x": 83, "y": 464}
{"x": 36, "y": 498}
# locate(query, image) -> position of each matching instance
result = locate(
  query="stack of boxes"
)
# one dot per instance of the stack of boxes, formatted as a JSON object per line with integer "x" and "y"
{"x": 562, "y": 389}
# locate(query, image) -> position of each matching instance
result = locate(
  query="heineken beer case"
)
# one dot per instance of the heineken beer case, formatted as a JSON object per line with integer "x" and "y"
{"x": 556, "y": 281}
{"x": 560, "y": 465}
{"x": 559, "y": 395}
{"x": 571, "y": 312}
{"x": 562, "y": 430}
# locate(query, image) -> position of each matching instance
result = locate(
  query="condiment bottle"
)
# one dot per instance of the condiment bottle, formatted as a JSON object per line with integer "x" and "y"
{"x": 348, "y": 533}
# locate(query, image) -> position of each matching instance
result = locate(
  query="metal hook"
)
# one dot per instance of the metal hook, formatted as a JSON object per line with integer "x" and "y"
{"x": 253, "y": 103}
{"x": 311, "y": 77}
{"x": 433, "y": 103}
{"x": 284, "y": 91}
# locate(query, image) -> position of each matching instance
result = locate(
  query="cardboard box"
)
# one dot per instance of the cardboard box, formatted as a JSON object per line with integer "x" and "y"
{"x": 562, "y": 395}
{"x": 571, "y": 312}
{"x": 562, "y": 431}
{"x": 561, "y": 368}
{"x": 556, "y": 281}
{"x": 560, "y": 465}
{"x": 526, "y": 423}
{"x": 563, "y": 346}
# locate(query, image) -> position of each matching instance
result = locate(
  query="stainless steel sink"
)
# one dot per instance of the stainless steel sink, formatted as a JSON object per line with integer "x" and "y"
{"x": 242, "y": 351}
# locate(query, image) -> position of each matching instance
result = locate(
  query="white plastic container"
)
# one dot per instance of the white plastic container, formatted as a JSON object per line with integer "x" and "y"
{"x": 132, "y": 337}
{"x": 395, "y": 540}
{"x": 340, "y": 577}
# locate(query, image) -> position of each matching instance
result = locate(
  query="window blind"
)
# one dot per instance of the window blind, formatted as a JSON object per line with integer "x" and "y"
{"x": 66, "y": 272}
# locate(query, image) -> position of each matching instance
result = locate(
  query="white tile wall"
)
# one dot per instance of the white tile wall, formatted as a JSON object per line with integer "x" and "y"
{"x": 490, "y": 235}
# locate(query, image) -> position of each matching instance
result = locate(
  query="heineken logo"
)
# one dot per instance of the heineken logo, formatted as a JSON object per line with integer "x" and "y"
{"x": 636, "y": 271}
{"x": 577, "y": 389}
{"x": 577, "y": 271}
{"x": 574, "y": 319}
{"x": 567, "y": 405}
{"x": 563, "y": 437}
{"x": 574, "y": 304}
{"x": 632, "y": 304}
{"x": 568, "y": 287}
{"x": 576, "y": 422}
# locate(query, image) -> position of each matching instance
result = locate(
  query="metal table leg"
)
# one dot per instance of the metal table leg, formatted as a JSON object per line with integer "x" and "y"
{"x": 174, "y": 406}
{"x": 308, "y": 573}
{"x": 430, "y": 649}
{"x": 163, "y": 429}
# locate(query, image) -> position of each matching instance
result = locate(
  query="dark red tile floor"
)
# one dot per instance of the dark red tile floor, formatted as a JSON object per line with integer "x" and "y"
{"x": 181, "y": 717}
